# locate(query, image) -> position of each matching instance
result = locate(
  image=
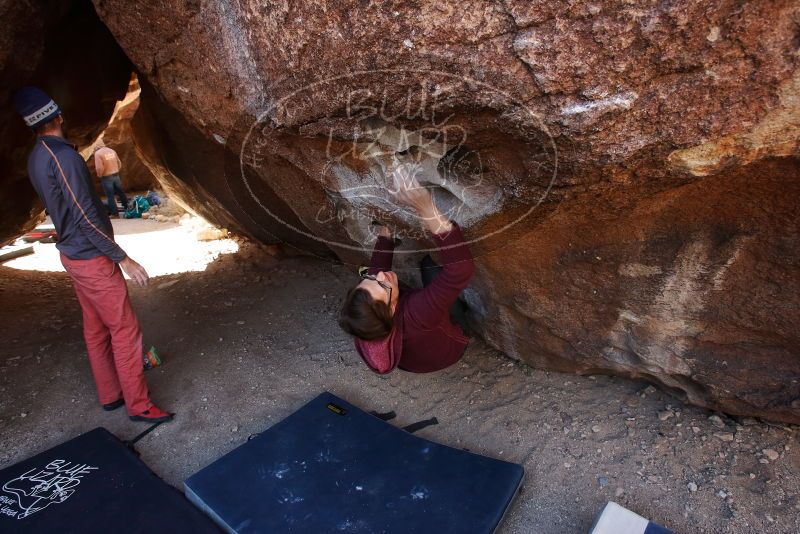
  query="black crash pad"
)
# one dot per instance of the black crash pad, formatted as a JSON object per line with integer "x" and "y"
{"x": 93, "y": 483}
{"x": 330, "y": 467}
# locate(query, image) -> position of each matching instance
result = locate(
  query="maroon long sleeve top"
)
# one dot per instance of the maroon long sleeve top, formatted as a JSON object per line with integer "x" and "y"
{"x": 423, "y": 338}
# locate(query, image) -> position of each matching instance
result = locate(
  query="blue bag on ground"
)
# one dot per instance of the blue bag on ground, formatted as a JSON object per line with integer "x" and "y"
{"x": 153, "y": 198}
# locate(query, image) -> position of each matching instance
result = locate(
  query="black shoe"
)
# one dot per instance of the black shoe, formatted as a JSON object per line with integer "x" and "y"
{"x": 153, "y": 415}
{"x": 111, "y": 406}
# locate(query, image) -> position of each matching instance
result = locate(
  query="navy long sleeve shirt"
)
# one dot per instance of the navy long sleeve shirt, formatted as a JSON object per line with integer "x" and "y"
{"x": 61, "y": 179}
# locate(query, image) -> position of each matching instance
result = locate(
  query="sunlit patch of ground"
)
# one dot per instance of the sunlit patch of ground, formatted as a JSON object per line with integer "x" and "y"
{"x": 161, "y": 247}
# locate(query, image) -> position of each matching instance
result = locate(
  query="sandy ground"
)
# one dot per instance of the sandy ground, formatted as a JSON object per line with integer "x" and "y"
{"x": 252, "y": 338}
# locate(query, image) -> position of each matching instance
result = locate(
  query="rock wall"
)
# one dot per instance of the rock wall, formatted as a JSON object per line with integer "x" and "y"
{"x": 118, "y": 135}
{"x": 62, "y": 47}
{"x": 627, "y": 172}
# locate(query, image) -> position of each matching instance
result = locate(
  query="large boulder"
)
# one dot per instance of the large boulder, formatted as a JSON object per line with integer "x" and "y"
{"x": 62, "y": 47}
{"x": 627, "y": 172}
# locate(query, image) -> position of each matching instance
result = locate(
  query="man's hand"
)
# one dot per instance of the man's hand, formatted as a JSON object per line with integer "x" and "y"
{"x": 135, "y": 271}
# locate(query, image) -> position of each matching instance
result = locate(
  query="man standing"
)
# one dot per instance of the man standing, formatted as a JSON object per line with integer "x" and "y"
{"x": 92, "y": 258}
{"x": 107, "y": 164}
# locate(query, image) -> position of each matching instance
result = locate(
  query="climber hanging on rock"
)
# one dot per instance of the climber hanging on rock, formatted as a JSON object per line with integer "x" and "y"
{"x": 93, "y": 260}
{"x": 412, "y": 331}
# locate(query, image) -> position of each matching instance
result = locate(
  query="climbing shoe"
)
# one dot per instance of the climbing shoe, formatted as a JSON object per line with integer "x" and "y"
{"x": 153, "y": 415}
{"x": 111, "y": 406}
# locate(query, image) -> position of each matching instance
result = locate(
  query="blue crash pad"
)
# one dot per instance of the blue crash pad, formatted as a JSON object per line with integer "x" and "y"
{"x": 93, "y": 483}
{"x": 330, "y": 467}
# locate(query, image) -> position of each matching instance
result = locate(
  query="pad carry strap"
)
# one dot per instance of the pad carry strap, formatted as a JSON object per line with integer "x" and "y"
{"x": 419, "y": 425}
{"x": 388, "y": 416}
{"x": 413, "y": 427}
{"x": 130, "y": 443}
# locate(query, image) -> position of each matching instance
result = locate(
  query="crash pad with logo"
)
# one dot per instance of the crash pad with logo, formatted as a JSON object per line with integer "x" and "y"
{"x": 93, "y": 483}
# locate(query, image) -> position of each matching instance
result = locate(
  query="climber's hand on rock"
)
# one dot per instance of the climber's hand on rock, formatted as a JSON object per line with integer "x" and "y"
{"x": 376, "y": 228}
{"x": 408, "y": 191}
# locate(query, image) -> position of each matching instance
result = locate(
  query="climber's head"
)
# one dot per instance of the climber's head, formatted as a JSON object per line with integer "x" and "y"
{"x": 39, "y": 111}
{"x": 368, "y": 307}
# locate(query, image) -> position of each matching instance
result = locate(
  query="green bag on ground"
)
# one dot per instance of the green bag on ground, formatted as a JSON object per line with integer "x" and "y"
{"x": 137, "y": 206}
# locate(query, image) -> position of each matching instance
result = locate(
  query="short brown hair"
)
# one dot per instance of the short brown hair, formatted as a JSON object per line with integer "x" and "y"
{"x": 364, "y": 317}
{"x": 46, "y": 126}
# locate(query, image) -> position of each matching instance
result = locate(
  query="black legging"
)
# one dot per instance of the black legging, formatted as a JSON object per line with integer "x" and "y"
{"x": 429, "y": 270}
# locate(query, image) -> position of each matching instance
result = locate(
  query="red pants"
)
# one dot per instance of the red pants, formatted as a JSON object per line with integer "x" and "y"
{"x": 113, "y": 337}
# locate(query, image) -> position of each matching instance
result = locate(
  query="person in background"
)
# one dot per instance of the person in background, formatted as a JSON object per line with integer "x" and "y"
{"x": 411, "y": 330}
{"x": 107, "y": 164}
{"x": 91, "y": 257}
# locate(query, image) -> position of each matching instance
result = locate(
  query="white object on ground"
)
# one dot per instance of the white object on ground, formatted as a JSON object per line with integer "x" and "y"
{"x": 616, "y": 519}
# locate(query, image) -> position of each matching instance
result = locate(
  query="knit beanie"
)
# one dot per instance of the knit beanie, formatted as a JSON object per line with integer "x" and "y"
{"x": 35, "y": 107}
